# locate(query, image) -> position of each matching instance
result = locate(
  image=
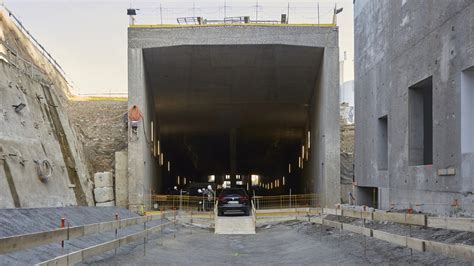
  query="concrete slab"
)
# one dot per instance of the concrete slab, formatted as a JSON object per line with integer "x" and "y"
{"x": 103, "y": 179}
{"x": 234, "y": 225}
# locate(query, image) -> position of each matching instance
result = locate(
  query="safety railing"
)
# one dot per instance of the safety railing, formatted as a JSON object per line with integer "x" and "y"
{"x": 287, "y": 201}
{"x": 254, "y": 213}
{"x": 181, "y": 202}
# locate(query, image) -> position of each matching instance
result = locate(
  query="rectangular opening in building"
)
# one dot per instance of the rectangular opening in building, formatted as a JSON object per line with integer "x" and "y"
{"x": 467, "y": 110}
{"x": 382, "y": 147}
{"x": 420, "y": 122}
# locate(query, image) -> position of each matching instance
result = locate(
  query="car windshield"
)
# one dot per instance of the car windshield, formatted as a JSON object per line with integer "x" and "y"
{"x": 240, "y": 192}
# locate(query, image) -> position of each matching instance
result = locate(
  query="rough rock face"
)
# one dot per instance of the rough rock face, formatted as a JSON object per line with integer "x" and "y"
{"x": 102, "y": 130}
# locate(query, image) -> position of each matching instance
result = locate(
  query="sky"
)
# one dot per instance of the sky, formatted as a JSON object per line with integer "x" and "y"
{"x": 89, "y": 38}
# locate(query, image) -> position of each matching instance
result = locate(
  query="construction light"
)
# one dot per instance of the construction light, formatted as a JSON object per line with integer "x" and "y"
{"x": 309, "y": 139}
{"x": 152, "y": 131}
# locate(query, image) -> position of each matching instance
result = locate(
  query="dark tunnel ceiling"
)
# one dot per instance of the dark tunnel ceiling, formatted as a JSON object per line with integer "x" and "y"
{"x": 205, "y": 90}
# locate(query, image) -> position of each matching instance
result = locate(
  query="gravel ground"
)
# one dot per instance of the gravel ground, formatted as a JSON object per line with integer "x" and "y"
{"x": 282, "y": 243}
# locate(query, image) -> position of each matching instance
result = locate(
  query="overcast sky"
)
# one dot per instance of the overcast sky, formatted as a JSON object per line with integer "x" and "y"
{"x": 89, "y": 38}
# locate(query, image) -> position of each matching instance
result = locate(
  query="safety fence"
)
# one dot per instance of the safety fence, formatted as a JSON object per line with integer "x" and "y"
{"x": 287, "y": 201}
{"x": 205, "y": 203}
{"x": 181, "y": 202}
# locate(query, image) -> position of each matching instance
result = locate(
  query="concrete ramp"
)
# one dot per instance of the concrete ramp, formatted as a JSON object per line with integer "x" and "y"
{"x": 234, "y": 225}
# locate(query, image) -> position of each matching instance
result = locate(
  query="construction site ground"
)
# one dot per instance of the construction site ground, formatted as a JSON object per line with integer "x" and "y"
{"x": 276, "y": 243}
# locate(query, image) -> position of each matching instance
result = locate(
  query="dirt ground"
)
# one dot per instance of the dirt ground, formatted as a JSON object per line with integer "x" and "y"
{"x": 283, "y": 243}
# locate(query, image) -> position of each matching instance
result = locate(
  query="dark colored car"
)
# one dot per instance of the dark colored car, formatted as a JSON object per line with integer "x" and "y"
{"x": 233, "y": 200}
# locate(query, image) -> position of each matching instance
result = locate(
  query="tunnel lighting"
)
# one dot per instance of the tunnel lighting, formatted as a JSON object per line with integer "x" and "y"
{"x": 184, "y": 180}
{"x": 211, "y": 178}
{"x": 158, "y": 146}
{"x": 248, "y": 187}
{"x": 271, "y": 185}
{"x": 255, "y": 179}
{"x": 309, "y": 139}
{"x": 227, "y": 177}
{"x": 239, "y": 182}
{"x": 178, "y": 180}
{"x": 307, "y": 154}
{"x": 289, "y": 168}
{"x": 152, "y": 131}
{"x": 299, "y": 162}
{"x": 169, "y": 166}
{"x": 302, "y": 152}
{"x": 237, "y": 177}
{"x": 283, "y": 181}
{"x": 161, "y": 159}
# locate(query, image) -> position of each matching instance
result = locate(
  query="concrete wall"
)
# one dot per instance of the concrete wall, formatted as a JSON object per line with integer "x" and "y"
{"x": 40, "y": 131}
{"x": 398, "y": 44}
{"x": 143, "y": 166}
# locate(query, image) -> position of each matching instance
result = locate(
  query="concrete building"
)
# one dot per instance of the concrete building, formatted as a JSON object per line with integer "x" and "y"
{"x": 234, "y": 100}
{"x": 414, "y": 90}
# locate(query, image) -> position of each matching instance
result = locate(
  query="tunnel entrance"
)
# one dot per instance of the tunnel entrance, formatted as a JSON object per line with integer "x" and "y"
{"x": 229, "y": 105}
{"x": 232, "y": 111}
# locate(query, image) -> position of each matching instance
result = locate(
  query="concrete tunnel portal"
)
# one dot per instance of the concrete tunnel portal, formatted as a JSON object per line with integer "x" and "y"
{"x": 227, "y": 110}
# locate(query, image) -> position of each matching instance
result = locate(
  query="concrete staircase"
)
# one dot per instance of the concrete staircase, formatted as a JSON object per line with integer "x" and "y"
{"x": 235, "y": 225}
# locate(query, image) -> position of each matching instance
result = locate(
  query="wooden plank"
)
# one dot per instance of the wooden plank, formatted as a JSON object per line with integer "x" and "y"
{"x": 416, "y": 219}
{"x": 392, "y": 238}
{"x": 456, "y": 251}
{"x": 19, "y": 242}
{"x": 330, "y": 211}
{"x": 416, "y": 244}
{"x": 353, "y": 228}
{"x": 334, "y": 224}
{"x": 437, "y": 222}
{"x": 388, "y": 216}
{"x": 461, "y": 224}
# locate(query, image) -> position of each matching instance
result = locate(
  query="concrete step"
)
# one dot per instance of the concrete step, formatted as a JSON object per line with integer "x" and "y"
{"x": 234, "y": 225}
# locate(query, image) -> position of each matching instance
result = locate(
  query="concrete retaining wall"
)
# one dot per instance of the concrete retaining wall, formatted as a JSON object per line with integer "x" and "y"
{"x": 38, "y": 132}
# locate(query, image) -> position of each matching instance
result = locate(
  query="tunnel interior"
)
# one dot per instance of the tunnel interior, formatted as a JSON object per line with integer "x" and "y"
{"x": 235, "y": 115}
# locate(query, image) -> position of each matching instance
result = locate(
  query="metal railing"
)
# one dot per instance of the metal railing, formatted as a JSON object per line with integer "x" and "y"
{"x": 287, "y": 201}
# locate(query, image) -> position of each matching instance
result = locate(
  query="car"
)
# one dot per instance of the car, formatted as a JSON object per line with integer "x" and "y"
{"x": 233, "y": 200}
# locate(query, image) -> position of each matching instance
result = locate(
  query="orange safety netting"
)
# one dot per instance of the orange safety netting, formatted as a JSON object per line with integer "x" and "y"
{"x": 134, "y": 114}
